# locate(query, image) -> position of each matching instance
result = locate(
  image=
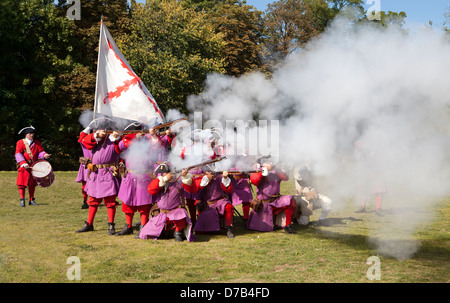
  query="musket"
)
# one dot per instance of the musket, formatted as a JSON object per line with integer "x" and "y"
{"x": 200, "y": 164}
{"x": 157, "y": 127}
{"x": 244, "y": 172}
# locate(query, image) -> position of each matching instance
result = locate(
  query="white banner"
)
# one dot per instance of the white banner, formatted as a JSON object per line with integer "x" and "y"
{"x": 119, "y": 91}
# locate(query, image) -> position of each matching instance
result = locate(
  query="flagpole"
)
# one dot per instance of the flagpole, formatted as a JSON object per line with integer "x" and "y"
{"x": 98, "y": 62}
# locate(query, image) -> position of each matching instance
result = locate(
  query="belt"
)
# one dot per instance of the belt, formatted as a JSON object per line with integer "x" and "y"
{"x": 271, "y": 199}
{"x": 106, "y": 165}
{"x": 210, "y": 202}
{"x": 166, "y": 211}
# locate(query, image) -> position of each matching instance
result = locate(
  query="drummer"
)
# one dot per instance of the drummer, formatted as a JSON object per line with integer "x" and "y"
{"x": 28, "y": 151}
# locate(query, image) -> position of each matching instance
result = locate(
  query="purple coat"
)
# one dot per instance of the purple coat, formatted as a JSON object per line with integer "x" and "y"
{"x": 242, "y": 191}
{"x": 102, "y": 183}
{"x": 208, "y": 220}
{"x": 168, "y": 199}
{"x": 268, "y": 187}
{"x": 83, "y": 171}
{"x": 133, "y": 188}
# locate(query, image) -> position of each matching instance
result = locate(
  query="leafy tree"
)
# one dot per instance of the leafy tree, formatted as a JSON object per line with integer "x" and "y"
{"x": 171, "y": 48}
{"x": 35, "y": 51}
{"x": 241, "y": 27}
{"x": 447, "y": 21}
{"x": 289, "y": 25}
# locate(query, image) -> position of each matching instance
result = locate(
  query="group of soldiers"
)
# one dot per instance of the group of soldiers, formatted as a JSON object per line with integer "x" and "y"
{"x": 181, "y": 203}
{"x": 133, "y": 166}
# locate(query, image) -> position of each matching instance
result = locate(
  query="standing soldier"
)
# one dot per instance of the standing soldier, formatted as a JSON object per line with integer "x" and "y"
{"x": 214, "y": 200}
{"x": 269, "y": 201}
{"x": 170, "y": 203}
{"x": 83, "y": 171}
{"x": 136, "y": 178}
{"x": 28, "y": 151}
{"x": 102, "y": 184}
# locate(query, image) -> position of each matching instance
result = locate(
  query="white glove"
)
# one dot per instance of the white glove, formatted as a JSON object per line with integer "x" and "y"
{"x": 265, "y": 171}
{"x": 25, "y": 165}
{"x": 87, "y": 130}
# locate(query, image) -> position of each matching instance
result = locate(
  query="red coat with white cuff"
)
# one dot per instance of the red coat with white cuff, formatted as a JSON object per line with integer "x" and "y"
{"x": 22, "y": 157}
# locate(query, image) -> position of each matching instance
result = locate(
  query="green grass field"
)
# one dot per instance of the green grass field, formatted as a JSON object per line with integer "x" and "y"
{"x": 36, "y": 242}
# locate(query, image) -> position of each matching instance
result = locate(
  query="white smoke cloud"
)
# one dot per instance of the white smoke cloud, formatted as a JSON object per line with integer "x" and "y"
{"x": 384, "y": 89}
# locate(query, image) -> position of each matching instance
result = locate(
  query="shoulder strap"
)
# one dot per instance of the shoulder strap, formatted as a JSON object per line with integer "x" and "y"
{"x": 28, "y": 150}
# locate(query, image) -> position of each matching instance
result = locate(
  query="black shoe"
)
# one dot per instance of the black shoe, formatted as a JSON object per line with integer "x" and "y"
{"x": 32, "y": 202}
{"x": 379, "y": 213}
{"x": 361, "y": 210}
{"x": 86, "y": 228}
{"x": 85, "y": 205}
{"x": 22, "y": 202}
{"x": 111, "y": 229}
{"x": 125, "y": 231}
{"x": 229, "y": 232}
{"x": 290, "y": 229}
{"x": 178, "y": 236}
{"x": 139, "y": 231}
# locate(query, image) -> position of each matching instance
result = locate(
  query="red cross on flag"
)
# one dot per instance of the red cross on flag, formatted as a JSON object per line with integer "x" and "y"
{"x": 119, "y": 92}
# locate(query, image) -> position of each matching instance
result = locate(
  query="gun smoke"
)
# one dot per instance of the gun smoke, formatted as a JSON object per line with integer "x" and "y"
{"x": 360, "y": 102}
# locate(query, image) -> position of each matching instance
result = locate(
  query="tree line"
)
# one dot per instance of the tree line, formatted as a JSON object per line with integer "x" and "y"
{"x": 48, "y": 62}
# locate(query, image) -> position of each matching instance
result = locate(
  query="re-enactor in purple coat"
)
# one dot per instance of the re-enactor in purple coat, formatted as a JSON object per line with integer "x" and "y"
{"x": 102, "y": 185}
{"x": 267, "y": 183}
{"x": 138, "y": 175}
{"x": 168, "y": 194}
{"x": 83, "y": 171}
{"x": 215, "y": 201}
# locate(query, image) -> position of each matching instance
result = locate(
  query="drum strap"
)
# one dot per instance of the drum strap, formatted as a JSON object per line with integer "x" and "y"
{"x": 27, "y": 147}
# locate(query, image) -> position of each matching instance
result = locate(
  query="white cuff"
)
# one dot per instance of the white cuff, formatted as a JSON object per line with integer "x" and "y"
{"x": 87, "y": 130}
{"x": 226, "y": 181}
{"x": 96, "y": 136}
{"x": 162, "y": 181}
{"x": 265, "y": 172}
{"x": 187, "y": 179}
{"x": 113, "y": 139}
{"x": 205, "y": 181}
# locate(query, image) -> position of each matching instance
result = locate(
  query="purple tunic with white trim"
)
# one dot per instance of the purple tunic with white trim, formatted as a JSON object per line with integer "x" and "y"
{"x": 83, "y": 171}
{"x": 268, "y": 187}
{"x": 133, "y": 188}
{"x": 169, "y": 198}
{"x": 208, "y": 220}
{"x": 242, "y": 191}
{"x": 102, "y": 183}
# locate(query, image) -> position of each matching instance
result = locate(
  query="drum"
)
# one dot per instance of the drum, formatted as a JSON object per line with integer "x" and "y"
{"x": 42, "y": 173}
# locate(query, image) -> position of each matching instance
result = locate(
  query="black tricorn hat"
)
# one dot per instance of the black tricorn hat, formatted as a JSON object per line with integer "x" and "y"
{"x": 27, "y": 130}
{"x": 263, "y": 159}
{"x": 162, "y": 168}
{"x": 102, "y": 122}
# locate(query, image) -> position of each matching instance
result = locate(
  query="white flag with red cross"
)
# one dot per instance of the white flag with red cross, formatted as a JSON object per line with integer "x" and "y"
{"x": 119, "y": 91}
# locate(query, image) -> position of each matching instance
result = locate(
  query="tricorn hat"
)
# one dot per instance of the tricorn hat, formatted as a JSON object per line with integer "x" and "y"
{"x": 162, "y": 168}
{"x": 265, "y": 159}
{"x": 103, "y": 122}
{"x": 27, "y": 130}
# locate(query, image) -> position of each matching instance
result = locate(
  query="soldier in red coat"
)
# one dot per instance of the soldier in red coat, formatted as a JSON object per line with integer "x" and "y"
{"x": 28, "y": 151}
